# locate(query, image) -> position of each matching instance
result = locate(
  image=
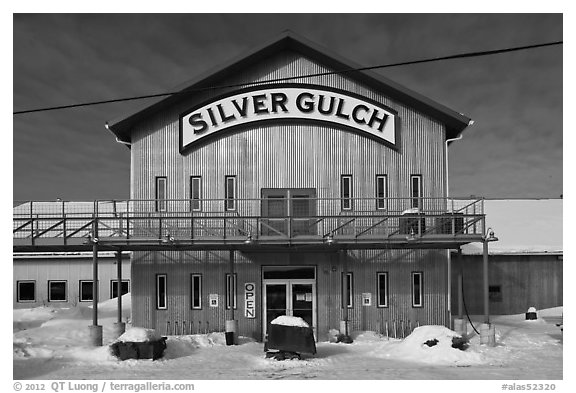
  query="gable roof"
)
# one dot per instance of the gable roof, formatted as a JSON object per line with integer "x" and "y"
{"x": 454, "y": 121}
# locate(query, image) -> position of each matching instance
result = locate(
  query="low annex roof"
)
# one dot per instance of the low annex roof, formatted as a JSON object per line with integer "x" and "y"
{"x": 454, "y": 121}
{"x": 522, "y": 226}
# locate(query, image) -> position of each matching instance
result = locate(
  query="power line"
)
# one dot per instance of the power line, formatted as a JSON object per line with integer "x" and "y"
{"x": 187, "y": 91}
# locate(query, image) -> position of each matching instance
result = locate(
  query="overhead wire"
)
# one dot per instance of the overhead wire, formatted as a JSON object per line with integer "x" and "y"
{"x": 284, "y": 79}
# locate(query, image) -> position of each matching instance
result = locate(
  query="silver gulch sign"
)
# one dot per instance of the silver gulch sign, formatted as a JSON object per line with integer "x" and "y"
{"x": 293, "y": 102}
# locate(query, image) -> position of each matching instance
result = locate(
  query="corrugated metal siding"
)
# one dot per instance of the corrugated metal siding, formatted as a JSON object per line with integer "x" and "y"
{"x": 289, "y": 155}
{"x": 364, "y": 264}
{"x": 71, "y": 270}
{"x": 295, "y": 155}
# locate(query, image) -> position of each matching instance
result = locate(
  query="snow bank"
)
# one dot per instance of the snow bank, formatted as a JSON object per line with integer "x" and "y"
{"x": 181, "y": 346}
{"x": 413, "y": 348}
{"x": 111, "y": 305}
{"x": 289, "y": 321}
{"x": 138, "y": 335}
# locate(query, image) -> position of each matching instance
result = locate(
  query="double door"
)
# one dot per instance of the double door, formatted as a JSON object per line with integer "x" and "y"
{"x": 288, "y": 211}
{"x": 290, "y": 297}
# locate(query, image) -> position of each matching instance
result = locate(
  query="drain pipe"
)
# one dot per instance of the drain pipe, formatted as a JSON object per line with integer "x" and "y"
{"x": 449, "y": 262}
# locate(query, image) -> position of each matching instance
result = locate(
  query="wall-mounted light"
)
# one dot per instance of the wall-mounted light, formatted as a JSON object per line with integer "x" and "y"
{"x": 329, "y": 239}
{"x": 249, "y": 239}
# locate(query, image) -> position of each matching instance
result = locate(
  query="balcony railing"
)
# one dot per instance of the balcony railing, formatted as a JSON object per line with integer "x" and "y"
{"x": 279, "y": 220}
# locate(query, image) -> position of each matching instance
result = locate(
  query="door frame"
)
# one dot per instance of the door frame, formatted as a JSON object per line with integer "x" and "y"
{"x": 288, "y": 283}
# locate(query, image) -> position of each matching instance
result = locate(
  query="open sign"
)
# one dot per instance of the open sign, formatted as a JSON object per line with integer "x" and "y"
{"x": 250, "y": 300}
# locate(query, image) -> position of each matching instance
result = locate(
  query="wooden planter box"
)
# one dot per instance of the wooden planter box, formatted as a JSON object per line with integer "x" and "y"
{"x": 139, "y": 350}
{"x": 291, "y": 339}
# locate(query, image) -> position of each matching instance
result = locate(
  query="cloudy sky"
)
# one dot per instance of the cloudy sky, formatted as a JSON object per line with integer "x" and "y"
{"x": 513, "y": 150}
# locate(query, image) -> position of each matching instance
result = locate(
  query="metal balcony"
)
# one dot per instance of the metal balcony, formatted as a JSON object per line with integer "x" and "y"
{"x": 247, "y": 224}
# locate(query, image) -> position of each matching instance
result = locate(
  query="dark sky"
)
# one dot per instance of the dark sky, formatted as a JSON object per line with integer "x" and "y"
{"x": 514, "y": 149}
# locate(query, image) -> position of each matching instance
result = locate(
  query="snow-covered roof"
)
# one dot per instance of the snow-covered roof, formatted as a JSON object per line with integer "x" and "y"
{"x": 522, "y": 226}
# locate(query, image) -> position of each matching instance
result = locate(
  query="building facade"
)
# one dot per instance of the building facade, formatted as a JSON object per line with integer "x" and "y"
{"x": 311, "y": 152}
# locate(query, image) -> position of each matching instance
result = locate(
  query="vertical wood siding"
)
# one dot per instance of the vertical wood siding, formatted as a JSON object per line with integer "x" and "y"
{"x": 520, "y": 278}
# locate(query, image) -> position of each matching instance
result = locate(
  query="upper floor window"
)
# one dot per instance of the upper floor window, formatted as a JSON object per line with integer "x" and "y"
{"x": 230, "y": 193}
{"x": 416, "y": 191}
{"x": 196, "y": 193}
{"x": 161, "y": 193}
{"x": 381, "y": 192}
{"x": 346, "y": 192}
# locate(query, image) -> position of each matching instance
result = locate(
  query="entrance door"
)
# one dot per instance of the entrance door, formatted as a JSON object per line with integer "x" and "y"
{"x": 292, "y": 298}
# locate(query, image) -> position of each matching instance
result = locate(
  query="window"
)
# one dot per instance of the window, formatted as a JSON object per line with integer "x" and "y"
{"x": 161, "y": 194}
{"x": 124, "y": 288}
{"x": 196, "y": 291}
{"x": 348, "y": 290}
{"x": 382, "y": 289}
{"x": 416, "y": 190}
{"x": 86, "y": 290}
{"x": 417, "y": 289}
{"x": 230, "y": 193}
{"x": 25, "y": 291}
{"x": 57, "y": 291}
{"x": 381, "y": 192}
{"x": 230, "y": 290}
{"x": 495, "y": 293}
{"x": 161, "y": 291}
{"x": 346, "y": 192}
{"x": 196, "y": 193}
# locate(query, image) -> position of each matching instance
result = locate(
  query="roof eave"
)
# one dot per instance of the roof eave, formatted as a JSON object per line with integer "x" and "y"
{"x": 454, "y": 121}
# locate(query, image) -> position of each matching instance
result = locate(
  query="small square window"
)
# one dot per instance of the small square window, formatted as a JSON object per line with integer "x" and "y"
{"x": 57, "y": 291}
{"x": 125, "y": 288}
{"x": 86, "y": 291}
{"x": 495, "y": 293}
{"x": 26, "y": 291}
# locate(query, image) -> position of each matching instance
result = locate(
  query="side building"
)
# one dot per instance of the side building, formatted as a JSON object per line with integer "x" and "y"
{"x": 525, "y": 264}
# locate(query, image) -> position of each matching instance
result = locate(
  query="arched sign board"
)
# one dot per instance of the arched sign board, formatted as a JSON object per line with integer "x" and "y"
{"x": 289, "y": 102}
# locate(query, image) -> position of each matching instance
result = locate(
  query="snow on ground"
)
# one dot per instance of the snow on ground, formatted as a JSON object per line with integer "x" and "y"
{"x": 55, "y": 347}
